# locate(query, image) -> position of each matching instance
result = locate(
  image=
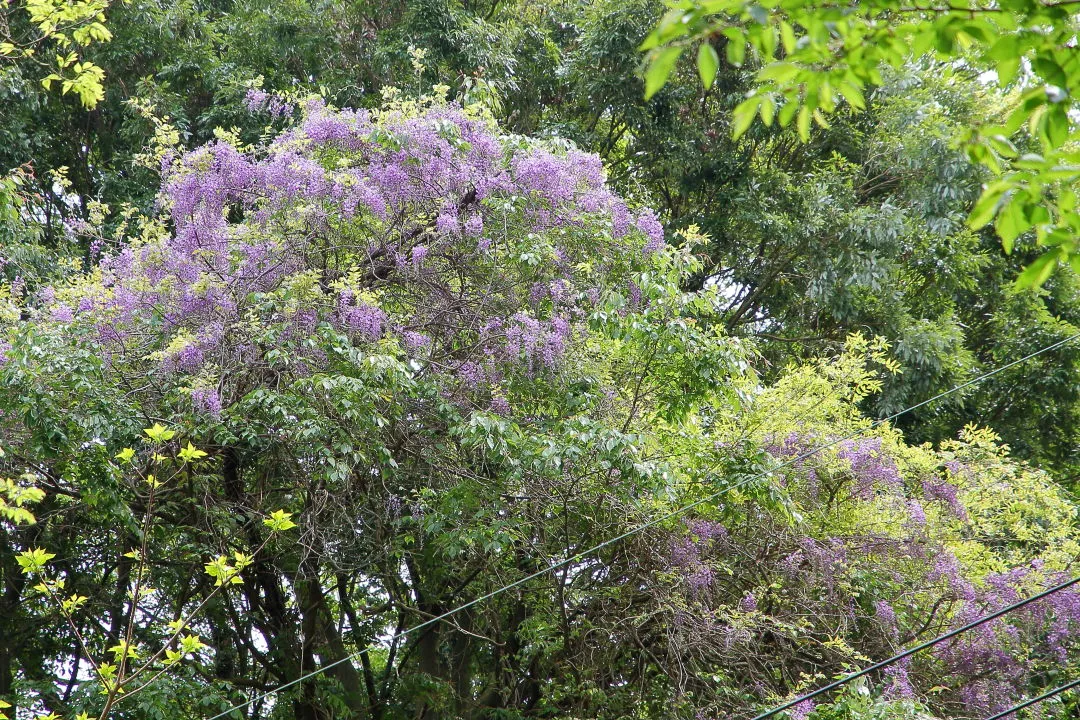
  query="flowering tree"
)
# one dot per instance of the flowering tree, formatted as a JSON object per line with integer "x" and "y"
{"x": 475, "y": 254}
{"x": 862, "y": 550}
{"x": 424, "y": 338}
{"x": 454, "y": 358}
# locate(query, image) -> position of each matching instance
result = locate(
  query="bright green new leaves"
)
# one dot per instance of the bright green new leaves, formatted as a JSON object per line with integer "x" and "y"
{"x": 13, "y": 500}
{"x": 159, "y": 434}
{"x": 279, "y": 521}
{"x": 73, "y": 603}
{"x": 34, "y": 561}
{"x": 224, "y": 573}
{"x": 69, "y": 27}
{"x": 813, "y": 58}
{"x": 123, "y": 650}
{"x": 188, "y": 645}
{"x": 191, "y": 453}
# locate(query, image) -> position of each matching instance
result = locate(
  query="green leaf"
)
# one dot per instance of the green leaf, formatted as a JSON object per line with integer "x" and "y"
{"x": 670, "y": 26}
{"x": 980, "y": 31}
{"x": 1055, "y": 125}
{"x": 1007, "y": 69}
{"x": 779, "y": 72}
{"x": 986, "y": 206}
{"x": 34, "y": 560}
{"x": 768, "y": 109}
{"x": 1036, "y": 214}
{"x": 944, "y": 40}
{"x": 802, "y": 123}
{"x": 1005, "y": 48}
{"x": 1003, "y": 146}
{"x": 660, "y": 67}
{"x": 279, "y": 521}
{"x": 1040, "y": 269}
{"x": 708, "y": 62}
{"x": 1012, "y": 220}
{"x": 743, "y": 116}
{"x": 1028, "y": 103}
{"x": 1049, "y": 70}
{"x": 159, "y": 433}
{"x": 736, "y": 52}
{"x": 191, "y": 453}
{"x": 787, "y": 112}
{"x": 787, "y": 37}
{"x": 853, "y": 94}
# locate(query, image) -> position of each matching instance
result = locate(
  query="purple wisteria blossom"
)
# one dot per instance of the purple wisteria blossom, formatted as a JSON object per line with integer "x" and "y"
{"x": 356, "y": 315}
{"x": 802, "y": 710}
{"x": 886, "y": 615}
{"x": 206, "y": 400}
{"x": 648, "y": 223}
{"x": 501, "y": 406}
{"x": 946, "y": 493}
{"x": 428, "y": 228}
{"x": 870, "y": 465}
{"x": 898, "y": 685}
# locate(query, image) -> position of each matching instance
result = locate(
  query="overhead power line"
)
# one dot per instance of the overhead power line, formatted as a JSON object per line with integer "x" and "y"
{"x": 654, "y": 522}
{"x": 1028, "y": 703}
{"x": 918, "y": 648}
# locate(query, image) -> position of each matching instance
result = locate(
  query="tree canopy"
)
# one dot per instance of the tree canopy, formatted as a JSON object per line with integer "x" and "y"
{"x": 813, "y": 58}
{"x": 448, "y": 359}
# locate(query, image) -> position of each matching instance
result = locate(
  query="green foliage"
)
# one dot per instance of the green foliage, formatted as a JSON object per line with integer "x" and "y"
{"x": 818, "y": 507}
{"x": 62, "y": 28}
{"x": 864, "y": 229}
{"x": 190, "y": 560}
{"x": 14, "y": 497}
{"x": 132, "y": 664}
{"x": 812, "y": 59}
{"x": 858, "y": 703}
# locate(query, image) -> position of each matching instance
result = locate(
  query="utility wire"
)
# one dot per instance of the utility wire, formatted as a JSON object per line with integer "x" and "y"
{"x": 919, "y": 648}
{"x": 1028, "y": 703}
{"x": 654, "y": 522}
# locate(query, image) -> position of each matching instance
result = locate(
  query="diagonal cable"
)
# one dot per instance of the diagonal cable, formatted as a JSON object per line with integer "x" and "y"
{"x": 917, "y": 649}
{"x": 656, "y": 521}
{"x": 1028, "y": 703}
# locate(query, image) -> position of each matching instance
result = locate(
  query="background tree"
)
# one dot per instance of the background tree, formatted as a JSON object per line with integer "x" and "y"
{"x": 814, "y": 58}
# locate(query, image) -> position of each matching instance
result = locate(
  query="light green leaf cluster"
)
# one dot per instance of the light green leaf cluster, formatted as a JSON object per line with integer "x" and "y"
{"x": 15, "y": 496}
{"x": 69, "y": 26}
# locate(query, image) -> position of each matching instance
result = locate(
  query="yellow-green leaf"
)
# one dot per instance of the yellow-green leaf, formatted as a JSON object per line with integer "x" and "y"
{"x": 1040, "y": 269}
{"x": 708, "y": 62}
{"x": 743, "y": 116}
{"x": 661, "y": 64}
